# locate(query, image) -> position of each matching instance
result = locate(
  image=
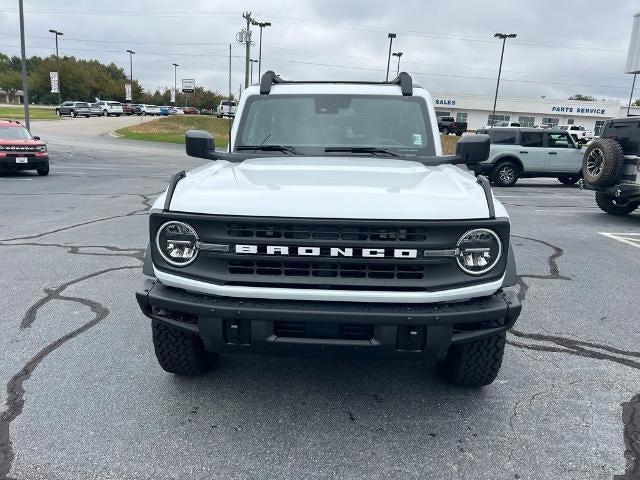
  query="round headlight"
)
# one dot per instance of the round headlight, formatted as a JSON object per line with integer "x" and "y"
{"x": 177, "y": 243}
{"x": 478, "y": 251}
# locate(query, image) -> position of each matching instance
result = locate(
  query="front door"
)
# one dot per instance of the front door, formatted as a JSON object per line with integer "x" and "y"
{"x": 562, "y": 154}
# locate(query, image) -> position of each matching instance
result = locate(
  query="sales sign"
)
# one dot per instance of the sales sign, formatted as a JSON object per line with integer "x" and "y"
{"x": 188, "y": 85}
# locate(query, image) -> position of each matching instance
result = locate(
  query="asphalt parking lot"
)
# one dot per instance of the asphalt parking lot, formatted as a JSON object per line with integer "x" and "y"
{"x": 85, "y": 398}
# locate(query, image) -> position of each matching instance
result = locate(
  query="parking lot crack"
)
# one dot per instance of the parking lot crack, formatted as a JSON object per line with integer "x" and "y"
{"x": 15, "y": 386}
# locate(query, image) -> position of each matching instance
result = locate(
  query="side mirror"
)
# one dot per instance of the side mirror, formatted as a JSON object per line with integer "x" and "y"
{"x": 199, "y": 143}
{"x": 473, "y": 149}
{"x": 36, "y": 138}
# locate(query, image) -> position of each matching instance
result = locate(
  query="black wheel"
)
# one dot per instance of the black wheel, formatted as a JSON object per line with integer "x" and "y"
{"x": 474, "y": 364}
{"x": 144, "y": 114}
{"x": 603, "y": 162}
{"x": 458, "y": 134}
{"x": 570, "y": 180}
{"x": 74, "y": 114}
{"x": 180, "y": 352}
{"x": 615, "y": 206}
{"x": 44, "y": 171}
{"x": 105, "y": 113}
{"x": 445, "y": 131}
{"x": 58, "y": 112}
{"x": 505, "y": 174}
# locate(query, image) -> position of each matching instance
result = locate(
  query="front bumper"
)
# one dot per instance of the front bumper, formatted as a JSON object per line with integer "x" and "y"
{"x": 33, "y": 163}
{"x": 286, "y": 327}
{"x": 482, "y": 168}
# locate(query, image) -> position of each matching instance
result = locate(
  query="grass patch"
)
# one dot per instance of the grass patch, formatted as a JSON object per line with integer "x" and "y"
{"x": 172, "y": 129}
{"x": 35, "y": 113}
{"x": 449, "y": 144}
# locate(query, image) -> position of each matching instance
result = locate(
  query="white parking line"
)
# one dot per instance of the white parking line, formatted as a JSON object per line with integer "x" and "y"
{"x": 554, "y": 211}
{"x": 550, "y": 195}
{"x": 632, "y": 239}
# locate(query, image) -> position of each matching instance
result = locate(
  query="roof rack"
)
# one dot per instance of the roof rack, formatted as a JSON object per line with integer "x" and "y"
{"x": 270, "y": 78}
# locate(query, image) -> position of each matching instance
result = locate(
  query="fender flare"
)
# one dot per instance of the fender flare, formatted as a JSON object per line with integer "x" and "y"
{"x": 510, "y": 275}
{"x": 147, "y": 265}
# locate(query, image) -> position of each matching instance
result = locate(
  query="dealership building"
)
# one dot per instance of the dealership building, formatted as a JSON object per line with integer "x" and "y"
{"x": 476, "y": 110}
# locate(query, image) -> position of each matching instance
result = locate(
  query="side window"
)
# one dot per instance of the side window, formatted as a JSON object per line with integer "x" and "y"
{"x": 526, "y": 121}
{"x": 598, "y": 127}
{"x": 558, "y": 140}
{"x": 504, "y": 137}
{"x": 461, "y": 117}
{"x": 531, "y": 139}
{"x": 440, "y": 113}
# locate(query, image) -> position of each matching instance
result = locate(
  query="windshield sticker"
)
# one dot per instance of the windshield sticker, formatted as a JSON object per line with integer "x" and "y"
{"x": 417, "y": 139}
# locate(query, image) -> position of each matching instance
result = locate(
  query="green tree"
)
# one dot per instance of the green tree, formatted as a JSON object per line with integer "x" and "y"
{"x": 584, "y": 98}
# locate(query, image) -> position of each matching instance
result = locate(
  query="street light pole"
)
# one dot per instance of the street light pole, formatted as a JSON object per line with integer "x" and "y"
{"x": 391, "y": 37}
{"x": 131, "y": 54}
{"x": 399, "y": 55}
{"x": 175, "y": 83}
{"x": 261, "y": 25}
{"x": 25, "y": 81}
{"x": 504, "y": 37}
{"x": 57, "y": 34}
{"x": 633, "y": 86}
{"x": 252, "y": 61}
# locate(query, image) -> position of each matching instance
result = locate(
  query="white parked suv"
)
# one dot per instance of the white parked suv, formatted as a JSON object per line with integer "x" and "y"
{"x": 332, "y": 225}
{"x": 579, "y": 134}
{"x": 227, "y": 108}
{"x": 109, "y": 108}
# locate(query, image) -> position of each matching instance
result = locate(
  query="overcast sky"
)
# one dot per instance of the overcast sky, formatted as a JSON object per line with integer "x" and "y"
{"x": 562, "y": 48}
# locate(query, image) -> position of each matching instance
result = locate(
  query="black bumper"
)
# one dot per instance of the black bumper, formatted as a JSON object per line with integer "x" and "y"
{"x": 33, "y": 163}
{"x": 482, "y": 168}
{"x": 283, "y": 327}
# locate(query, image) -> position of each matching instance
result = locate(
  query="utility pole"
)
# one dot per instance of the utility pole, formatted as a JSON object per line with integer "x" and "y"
{"x": 261, "y": 25}
{"x": 503, "y": 37}
{"x": 633, "y": 86}
{"x": 229, "y": 71}
{"x": 397, "y": 54}
{"x": 57, "y": 34}
{"x": 247, "y": 44}
{"x": 131, "y": 54}
{"x": 25, "y": 80}
{"x": 175, "y": 83}
{"x": 391, "y": 37}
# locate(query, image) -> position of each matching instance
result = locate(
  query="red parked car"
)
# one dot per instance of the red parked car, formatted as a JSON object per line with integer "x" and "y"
{"x": 127, "y": 109}
{"x": 19, "y": 150}
{"x": 191, "y": 111}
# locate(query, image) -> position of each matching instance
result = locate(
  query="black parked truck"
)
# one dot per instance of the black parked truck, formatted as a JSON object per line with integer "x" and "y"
{"x": 447, "y": 125}
{"x": 610, "y": 166}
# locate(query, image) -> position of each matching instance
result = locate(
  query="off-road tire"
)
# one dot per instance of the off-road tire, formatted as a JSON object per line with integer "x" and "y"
{"x": 474, "y": 364}
{"x": 44, "y": 171}
{"x": 445, "y": 131}
{"x": 180, "y": 352}
{"x": 611, "y": 205}
{"x": 603, "y": 162}
{"x": 569, "y": 180}
{"x": 505, "y": 174}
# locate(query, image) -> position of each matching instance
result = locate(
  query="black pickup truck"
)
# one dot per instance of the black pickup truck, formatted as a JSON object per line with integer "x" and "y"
{"x": 448, "y": 125}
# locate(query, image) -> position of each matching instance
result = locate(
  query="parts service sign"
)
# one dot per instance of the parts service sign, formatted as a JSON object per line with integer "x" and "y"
{"x": 188, "y": 85}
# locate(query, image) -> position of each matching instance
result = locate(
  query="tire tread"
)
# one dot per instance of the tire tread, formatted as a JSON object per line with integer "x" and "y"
{"x": 180, "y": 352}
{"x": 476, "y": 363}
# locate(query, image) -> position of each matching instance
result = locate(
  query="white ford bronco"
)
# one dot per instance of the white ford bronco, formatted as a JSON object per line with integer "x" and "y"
{"x": 332, "y": 225}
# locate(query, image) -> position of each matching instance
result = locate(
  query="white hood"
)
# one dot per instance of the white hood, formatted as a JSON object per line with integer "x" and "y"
{"x": 332, "y": 187}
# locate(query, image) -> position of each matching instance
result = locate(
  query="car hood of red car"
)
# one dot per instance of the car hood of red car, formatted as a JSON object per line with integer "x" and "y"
{"x": 21, "y": 142}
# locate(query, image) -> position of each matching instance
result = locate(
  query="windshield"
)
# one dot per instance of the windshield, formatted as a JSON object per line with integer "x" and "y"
{"x": 14, "y": 133}
{"x": 315, "y": 122}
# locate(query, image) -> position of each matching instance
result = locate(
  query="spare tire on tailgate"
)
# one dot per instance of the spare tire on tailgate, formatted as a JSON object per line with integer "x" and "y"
{"x": 603, "y": 162}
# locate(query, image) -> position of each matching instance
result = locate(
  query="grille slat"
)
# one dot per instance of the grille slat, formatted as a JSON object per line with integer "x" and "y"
{"x": 340, "y": 331}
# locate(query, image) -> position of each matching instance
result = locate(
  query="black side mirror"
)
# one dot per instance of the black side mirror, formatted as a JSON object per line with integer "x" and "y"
{"x": 473, "y": 149}
{"x": 36, "y": 138}
{"x": 199, "y": 143}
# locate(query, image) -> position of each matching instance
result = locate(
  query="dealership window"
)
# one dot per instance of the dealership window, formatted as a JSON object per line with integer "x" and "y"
{"x": 571, "y": 121}
{"x": 441, "y": 113}
{"x": 531, "y": 139}
{"x": 461, "y": 117}
{"x": 550, "y": 121}
{"x": 491, "y": 119}
{"x": 598, "y": 128}
{"x": 526, "y": 121}
{"x": 504, "y": 137}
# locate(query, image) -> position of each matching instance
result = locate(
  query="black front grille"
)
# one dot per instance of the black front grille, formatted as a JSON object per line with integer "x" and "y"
{"x": 303, "y": 231}
{"x": 334, "y": 331}
{"x": 326, "y": 269}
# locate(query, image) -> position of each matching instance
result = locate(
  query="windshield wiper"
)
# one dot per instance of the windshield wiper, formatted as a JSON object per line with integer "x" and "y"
{"x": 268, "y": 148}
{"x": 373, "y": 150}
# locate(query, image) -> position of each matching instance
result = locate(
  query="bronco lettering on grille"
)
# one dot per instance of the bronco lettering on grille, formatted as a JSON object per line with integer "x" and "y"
{"x": 326, "y": 251}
